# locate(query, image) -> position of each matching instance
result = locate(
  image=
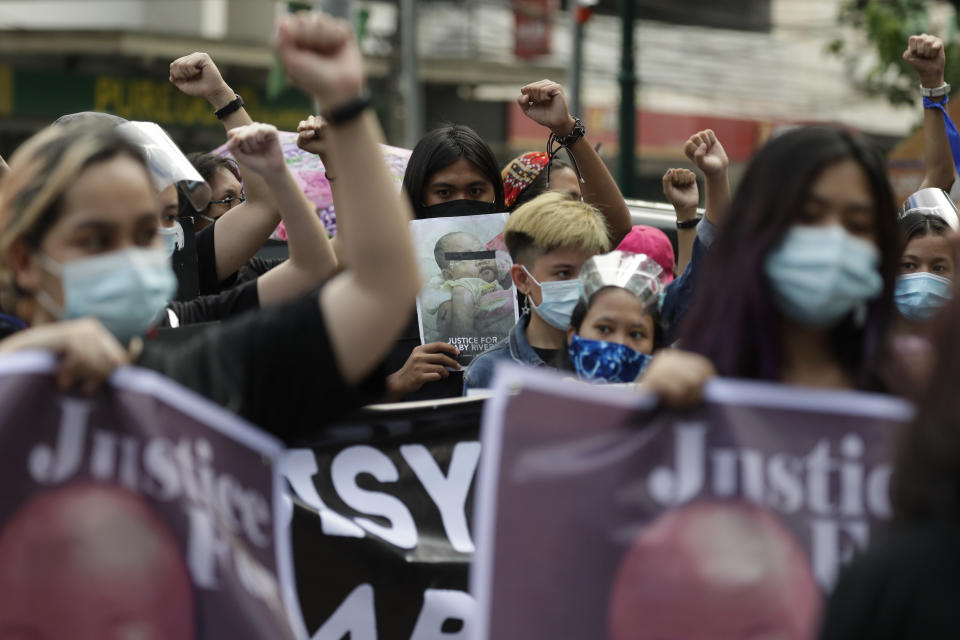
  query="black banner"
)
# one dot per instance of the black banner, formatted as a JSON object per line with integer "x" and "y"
{"x": 381, "y": 530}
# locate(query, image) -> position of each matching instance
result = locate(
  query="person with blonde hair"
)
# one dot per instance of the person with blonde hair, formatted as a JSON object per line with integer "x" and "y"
{"x": 549, "y": 239}
{"x": 79, "y": 242}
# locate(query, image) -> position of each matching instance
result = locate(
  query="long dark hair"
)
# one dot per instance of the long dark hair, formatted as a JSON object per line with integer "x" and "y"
{"x": 732, "y": 319}
{"x": 439, "y": 149}
{"x": 926, "y": 474}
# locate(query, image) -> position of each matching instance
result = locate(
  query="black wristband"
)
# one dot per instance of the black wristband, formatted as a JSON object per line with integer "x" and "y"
{"x": 575, "y": 134}
{"x": 348, "y": 110}
{"x": 230, "y": 107}
{"x": 689, "y": 224}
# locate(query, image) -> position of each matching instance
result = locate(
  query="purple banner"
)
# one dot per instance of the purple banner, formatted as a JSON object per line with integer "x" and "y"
{"x": 602, "y": 515}
{"x": 143, "y": 511}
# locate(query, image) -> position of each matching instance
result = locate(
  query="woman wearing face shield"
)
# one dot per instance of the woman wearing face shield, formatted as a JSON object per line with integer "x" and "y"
{"x": 81, "y": 258}
{"x": 615, "y": 326}
{"x": 798, "y": 287}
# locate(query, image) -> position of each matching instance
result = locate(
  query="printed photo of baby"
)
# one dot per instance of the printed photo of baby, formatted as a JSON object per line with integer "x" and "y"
{"x": 468, "y": 299}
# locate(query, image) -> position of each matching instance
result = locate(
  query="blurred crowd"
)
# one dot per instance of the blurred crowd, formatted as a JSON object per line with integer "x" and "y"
{"x": 807, "y": 274}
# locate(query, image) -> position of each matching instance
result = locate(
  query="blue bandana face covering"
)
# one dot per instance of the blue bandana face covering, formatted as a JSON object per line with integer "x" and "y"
{"x": 606, "y": 361}
{"x": 821, "y": 274}
{"x": 920, "y": 295}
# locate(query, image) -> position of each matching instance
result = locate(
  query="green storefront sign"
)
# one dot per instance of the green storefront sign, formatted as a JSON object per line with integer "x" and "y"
{"x": 47, "y": 94}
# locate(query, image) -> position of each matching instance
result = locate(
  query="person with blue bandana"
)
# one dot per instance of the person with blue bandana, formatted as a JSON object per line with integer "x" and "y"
{"x": 615, "y": 326}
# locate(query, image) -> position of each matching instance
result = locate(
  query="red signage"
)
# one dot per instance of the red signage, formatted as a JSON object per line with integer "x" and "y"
{"x": 533, "y": 24}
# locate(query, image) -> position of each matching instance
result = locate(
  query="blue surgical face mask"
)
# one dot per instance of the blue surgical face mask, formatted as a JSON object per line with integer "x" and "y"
{"x": 127, "y": 290}
{"x": 557, "y": 301}
{"x": 920, "y": 295}
{"x": 172, "y": 237}
{"x": 606, "y": 361}
{"x": 821, "y": 274}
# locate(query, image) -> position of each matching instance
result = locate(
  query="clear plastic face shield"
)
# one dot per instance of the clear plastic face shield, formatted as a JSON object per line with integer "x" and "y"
{"x": 167, "y": 163}
{"x": 933, "y": 201}
{"x": 635, "y": 272}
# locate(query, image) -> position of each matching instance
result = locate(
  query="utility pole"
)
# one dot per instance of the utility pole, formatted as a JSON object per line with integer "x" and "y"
{"x": 628, "y": 103}
{"x": 576, "y": 59}
{"x": 410, "y": 82}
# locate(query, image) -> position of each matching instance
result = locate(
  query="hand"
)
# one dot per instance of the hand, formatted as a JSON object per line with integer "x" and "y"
{"x": 925, "y": 54}
{"x": 678, "y": 377}
{"x": 680, "y": 189}
{"x": 321, "y": 56}
{"x": 312, "y": 136}
{"x": 427, "y": 363}
{"x": 196, "y": 75}
{"x": 704, "y": 150}
{"x": 257, "y": 147}
{"x": 544, "y": 103}
{"x": 87, "y": 352}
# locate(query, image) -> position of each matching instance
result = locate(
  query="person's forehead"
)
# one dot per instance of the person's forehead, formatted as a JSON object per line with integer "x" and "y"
{"x": 460, "y": 172}
{"x": 565, "y": 255}
{"x": 618, "y": 302}
{"x": 930, "y": 245}
{"x": 844, "y": 182}
{"x": 224, "y": 179}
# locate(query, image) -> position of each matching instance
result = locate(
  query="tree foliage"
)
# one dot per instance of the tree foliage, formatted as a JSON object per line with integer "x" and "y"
{"x": 885, "y": 26}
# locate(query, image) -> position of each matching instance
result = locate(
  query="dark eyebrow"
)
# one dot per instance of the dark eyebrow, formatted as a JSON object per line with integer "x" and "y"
{"x": 95, "y": 225}
{"x": 562, "y": 265}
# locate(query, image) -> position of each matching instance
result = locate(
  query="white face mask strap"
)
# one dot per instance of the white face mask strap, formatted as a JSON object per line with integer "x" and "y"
{"x": 45, "y": 301}
{"x": 52, "y": 267}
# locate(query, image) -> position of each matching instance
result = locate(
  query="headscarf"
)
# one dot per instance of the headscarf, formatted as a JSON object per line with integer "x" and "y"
{"x": 521, "y": 172}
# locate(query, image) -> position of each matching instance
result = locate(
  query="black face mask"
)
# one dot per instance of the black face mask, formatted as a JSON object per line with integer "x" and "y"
{"x": 456, "y": 209}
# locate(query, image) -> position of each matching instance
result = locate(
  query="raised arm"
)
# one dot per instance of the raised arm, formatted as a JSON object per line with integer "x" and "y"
{"x": 365, "y": 307}
{"x": 704, "y": 149}
{"x": 544, "y": 103}
{"x": 925, "y": 54}
{"x": 257, "y": 148}
{"x": 241, "y": 231}
{"x": 680, "y": 189}
{"x": 312, "y": 138}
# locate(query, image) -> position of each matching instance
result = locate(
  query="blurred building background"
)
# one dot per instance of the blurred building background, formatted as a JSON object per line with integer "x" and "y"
{"x": 745, "y": 68}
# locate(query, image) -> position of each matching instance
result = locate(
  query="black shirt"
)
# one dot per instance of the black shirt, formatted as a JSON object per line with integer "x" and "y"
{"x": 210, "y": 308}
{"x": 275, "y": 368}
{"x": 906, "y": 586}
{"x": 207, "y": 263}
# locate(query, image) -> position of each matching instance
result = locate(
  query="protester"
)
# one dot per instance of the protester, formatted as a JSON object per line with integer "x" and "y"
{"x": 453, "y": 172}
{"x": 905, "y": 585}
{"x": 925, "y": 53}
{"x": 926, "y": 270}
{"x": 525, "y": 178}
{"x": 680, "y": 190}
{"x": 549, "y": 238}
{"x": 90, "y": 211}
{"x": 223, "y": 248}
{"x": 800, "y": 289}
{"x": 705, "y": 150}
{"x": 615, "y": 326}
{"x": 312, "y": 260}
{"x": 654, "y": 244}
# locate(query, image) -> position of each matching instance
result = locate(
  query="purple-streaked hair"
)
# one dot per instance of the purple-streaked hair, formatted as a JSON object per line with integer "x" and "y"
{"x": 732, "y": 318}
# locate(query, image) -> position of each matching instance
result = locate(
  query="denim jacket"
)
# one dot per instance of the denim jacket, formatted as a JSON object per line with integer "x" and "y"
{"x": 479, "y": 373}
{"x": 680, "y": 292}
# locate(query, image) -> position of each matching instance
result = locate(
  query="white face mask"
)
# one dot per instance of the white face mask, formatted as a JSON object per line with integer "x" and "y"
{"x": 127, "y": 290}
{"x": 557, "y": 301}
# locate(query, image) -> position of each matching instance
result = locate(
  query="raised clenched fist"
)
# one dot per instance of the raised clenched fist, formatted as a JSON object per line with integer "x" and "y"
{"x": 704, "y": 149}
{"x": 321, "y": 57}
{"x": 197, "y": 75}
{"x": 925, "y": 54}
{"x": 680, "y": 189}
